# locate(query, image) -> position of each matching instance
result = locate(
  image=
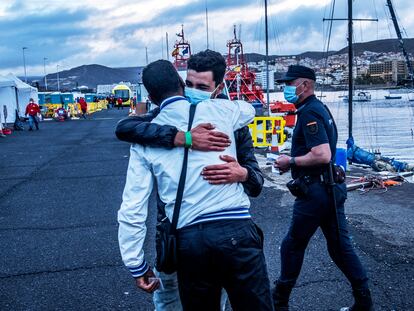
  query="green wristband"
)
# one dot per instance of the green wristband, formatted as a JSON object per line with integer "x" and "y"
{"x": 188, "y": 140}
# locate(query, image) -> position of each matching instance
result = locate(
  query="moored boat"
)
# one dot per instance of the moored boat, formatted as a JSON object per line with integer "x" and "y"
{"x": 362, "y": 96}
{"x": 393, "y": 96}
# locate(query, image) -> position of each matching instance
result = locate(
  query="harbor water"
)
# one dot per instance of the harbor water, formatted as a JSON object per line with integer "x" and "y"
{"x": 382, "y": 124}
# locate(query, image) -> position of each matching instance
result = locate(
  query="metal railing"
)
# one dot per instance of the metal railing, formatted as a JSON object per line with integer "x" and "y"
{"x": 268, "y": 131}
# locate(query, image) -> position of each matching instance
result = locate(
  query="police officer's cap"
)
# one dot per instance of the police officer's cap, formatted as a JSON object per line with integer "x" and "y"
{"x": 295, "y": 72}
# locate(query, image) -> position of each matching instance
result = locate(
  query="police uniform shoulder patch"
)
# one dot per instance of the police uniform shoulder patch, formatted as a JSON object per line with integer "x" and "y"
{"x": 312, "y": 127}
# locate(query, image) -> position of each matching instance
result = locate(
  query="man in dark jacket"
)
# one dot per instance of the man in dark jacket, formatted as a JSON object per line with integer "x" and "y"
{"x": 205, "y": 75}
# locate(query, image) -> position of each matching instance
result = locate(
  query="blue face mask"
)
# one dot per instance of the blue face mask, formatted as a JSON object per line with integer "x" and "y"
{"x": 195, "y": 95}
{"x": 290, "y": 93}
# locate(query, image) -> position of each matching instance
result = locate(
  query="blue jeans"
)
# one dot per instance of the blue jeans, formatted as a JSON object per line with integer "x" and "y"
{"x": 168, "y": 297}
{"x": 33, "y": 119}
{"x": 313, "y": 211}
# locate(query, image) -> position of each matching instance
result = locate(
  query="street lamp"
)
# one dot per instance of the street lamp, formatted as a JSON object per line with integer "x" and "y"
{"x": 24, "y": 64}
{"x": 57, "y": 73}
{"x": 44, "y": 69}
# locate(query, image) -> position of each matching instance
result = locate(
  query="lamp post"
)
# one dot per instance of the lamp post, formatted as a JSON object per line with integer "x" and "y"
{"x": 44, "y": 69}
{"x": 57, "y": 73}
{"x": 24, "y": 64}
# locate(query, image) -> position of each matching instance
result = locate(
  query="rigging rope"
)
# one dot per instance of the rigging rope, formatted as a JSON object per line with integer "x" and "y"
{"x": 376, "y": 16}
{"x": 328, "y": 42}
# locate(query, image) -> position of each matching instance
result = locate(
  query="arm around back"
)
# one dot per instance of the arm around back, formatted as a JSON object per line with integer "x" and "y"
{"x": 246, "y": 158}
{"x": 140, "y": 130}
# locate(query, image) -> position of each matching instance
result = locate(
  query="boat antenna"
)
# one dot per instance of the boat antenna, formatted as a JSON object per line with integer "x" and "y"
{"x": 166, "y": 42}
{"x": 162, "y": 47}
{"x": 267, "y": 61}
{"x": 207, "y": 24}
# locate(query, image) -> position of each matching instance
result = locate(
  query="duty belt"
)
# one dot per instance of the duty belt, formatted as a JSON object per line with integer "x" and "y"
{"x": 314, "y": 178}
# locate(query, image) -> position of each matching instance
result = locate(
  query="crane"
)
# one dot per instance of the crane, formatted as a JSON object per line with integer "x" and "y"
{"x": 401, "y": 42}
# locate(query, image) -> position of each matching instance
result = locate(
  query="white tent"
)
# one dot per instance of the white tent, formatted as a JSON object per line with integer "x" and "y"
{"x": 15, "y": 94}
{"x": 7, "y": 98}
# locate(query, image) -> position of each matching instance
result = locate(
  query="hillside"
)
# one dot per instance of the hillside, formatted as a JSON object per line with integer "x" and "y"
{"x": 378, "y": 46}
{"x": 91, "y": 76}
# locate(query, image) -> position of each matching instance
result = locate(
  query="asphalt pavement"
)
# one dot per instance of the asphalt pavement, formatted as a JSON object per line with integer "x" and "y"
{"x": 61, "y": 187}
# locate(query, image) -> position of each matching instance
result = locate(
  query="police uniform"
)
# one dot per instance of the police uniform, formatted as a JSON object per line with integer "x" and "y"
{"x": 315, "y": 208}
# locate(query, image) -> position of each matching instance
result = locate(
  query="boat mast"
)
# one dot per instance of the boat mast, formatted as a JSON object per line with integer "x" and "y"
{"x": 400, "y": 40}
{"x": 166, "y": 43}
{"x": 350, "y": 63}
{"x": 207, "y": 24}
{"x": 350, "y": 20}
{"x": 267, "y": 61}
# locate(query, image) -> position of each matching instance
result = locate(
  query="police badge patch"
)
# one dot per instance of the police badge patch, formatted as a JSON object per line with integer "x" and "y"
{"x": 312, "y": 127}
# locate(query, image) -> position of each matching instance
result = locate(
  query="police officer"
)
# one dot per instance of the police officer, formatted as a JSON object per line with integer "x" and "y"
{"x": 313, "y": 148}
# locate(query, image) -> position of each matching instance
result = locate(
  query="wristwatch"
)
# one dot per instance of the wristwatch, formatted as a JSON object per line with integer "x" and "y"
{"x": 292, "y": 162}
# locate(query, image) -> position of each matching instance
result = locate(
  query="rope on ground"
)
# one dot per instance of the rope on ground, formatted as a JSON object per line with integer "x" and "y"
{"x": 377, "y": 182}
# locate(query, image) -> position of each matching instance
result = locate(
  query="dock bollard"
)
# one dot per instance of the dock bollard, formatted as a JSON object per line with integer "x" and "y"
{"x": 340, "y": 158}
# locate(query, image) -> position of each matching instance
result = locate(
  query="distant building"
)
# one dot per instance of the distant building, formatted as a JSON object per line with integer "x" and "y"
{"x": 345, "y": 74}
{"x": 261, "y": 79}
{"x": 324, "y": 79}
{"x": 392, "y": 71}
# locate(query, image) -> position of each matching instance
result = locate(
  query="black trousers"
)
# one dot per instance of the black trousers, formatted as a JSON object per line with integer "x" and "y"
{"x": 313, "y": 211}
{"x": 222, "y": 254}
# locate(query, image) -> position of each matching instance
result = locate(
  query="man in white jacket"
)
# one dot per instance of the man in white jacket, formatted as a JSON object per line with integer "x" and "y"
{"x": 218, "y": 244}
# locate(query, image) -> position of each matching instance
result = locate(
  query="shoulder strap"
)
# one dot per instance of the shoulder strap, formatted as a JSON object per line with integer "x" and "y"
{"x": 183, "y": 175}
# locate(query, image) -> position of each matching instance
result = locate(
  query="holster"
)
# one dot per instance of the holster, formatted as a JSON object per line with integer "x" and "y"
{"x": 338, "y": 174}
{"x": 298, "y": 187}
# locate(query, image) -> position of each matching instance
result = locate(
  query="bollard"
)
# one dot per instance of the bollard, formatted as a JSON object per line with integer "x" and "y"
{"x": 340, "y": 157}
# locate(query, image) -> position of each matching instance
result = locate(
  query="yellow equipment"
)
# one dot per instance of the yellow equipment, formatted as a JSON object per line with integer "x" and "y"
{"x": 124, "y": 92}
{"x": 261, "y": 134}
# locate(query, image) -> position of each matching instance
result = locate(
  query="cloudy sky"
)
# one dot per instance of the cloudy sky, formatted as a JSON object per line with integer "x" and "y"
{"x": 115, "y": 33}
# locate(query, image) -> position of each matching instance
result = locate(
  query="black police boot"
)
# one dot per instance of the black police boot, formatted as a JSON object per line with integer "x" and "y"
{"x": 281, "y": 294}
{"x": 363, "y": 301}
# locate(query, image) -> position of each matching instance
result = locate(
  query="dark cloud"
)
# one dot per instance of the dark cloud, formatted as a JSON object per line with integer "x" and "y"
{"x": 181, "y": 14}
{"x": 60, "y": 34}
{"x": 45, "y": 34}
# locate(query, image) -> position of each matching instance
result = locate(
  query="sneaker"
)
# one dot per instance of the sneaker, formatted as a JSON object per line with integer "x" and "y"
{"x": 363, "y": 301}
{"x": 281, "y": 294}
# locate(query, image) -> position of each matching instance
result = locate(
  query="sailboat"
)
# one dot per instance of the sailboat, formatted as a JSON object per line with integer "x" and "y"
{"x": 356, "y": 154}
{"x": 241, "y": 84}
{"x": 361, "y": 96}
{"x": 393, "y": 96}
{"x": 181, "y": 52}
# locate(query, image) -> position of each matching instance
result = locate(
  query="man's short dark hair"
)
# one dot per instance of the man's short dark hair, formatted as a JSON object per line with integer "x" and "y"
{"x": 161, "y": 80}
{"x": 209, "y": 60}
